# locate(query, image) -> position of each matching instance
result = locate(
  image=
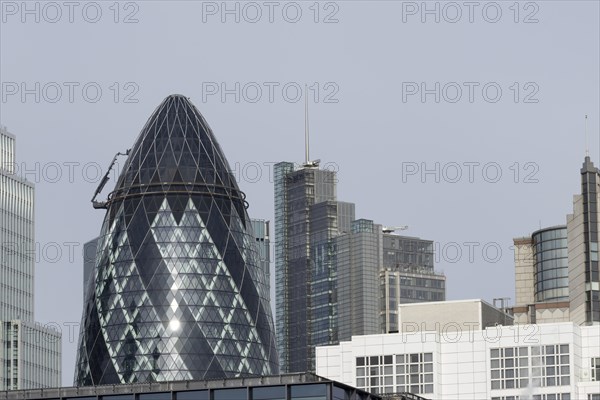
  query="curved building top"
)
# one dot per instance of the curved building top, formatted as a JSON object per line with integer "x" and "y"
{"x": 178, "y": 292}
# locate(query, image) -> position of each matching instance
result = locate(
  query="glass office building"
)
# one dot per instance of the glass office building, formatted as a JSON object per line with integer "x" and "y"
{"x": 178, "y": 291}
{"x": 407, "y": 276}
{"x": 551, "y": 264}
{"x": 16, "y": 235}
{"x": 557, "y": 274}
{"x": 307, "y": 219}
{"x": 358, "y": 260}
{"x": 30, "y": 355}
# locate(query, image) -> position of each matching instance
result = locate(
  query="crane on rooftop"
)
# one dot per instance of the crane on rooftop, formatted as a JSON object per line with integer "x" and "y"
{"x": 105, "y": 179}
{"x": 390, "y": 229}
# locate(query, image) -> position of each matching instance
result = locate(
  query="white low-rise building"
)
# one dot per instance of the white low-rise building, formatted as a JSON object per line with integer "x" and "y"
{"x": 554, "y": 361}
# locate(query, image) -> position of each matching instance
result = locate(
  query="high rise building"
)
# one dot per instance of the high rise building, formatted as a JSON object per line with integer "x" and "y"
{"x": 359, "y": 260}
{"x": 178, "y": 289}
{"x": 30, "y": 355}
{"x": 16, "y": 236}
{"x": 408, "y": 276}
{"x": 377, "y": 271}
{"x": 307, "y": 219}
{"x": 582, "y": 236}
{"x": 337, "y": 276}
{"x": 556, "y": 268}
{"x": 89, "y": 261}
{"x": 261, "y": 233}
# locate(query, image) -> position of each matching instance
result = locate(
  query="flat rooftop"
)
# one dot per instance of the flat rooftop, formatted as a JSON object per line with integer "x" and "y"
{"x": 289, "y": 386}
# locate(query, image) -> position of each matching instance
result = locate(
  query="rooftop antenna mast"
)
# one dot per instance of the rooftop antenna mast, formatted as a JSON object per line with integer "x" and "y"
{"x": 307, "y": 161}
{"x": 306, "y": 138}
{"x": 587, "y": 149}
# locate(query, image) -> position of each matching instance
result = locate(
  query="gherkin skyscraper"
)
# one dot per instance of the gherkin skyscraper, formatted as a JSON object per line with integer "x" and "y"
{"x": 178, "y": 292}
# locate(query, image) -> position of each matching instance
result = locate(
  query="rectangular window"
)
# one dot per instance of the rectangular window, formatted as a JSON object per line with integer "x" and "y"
{"x": 269, "y": 393}
{"x": 413, "y": 373}
{"x": 311, "y": 391}
{"x": 155, "y": 396}
{"x": 596, "y": 369}
{"x": 230, "y": 394}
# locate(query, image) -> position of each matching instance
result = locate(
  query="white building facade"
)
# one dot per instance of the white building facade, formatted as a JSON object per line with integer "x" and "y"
{"x": 16, "y": 236}
{"x": 457, "y": 361}
{"x": 30, "y": 355}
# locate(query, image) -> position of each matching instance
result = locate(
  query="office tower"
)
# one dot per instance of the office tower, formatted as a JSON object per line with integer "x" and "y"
{"x": 178, "y": 291}
{"x": 89, "y": 261}
{"x": 359, "y": 260}
{"x": 556, "y": 268}
{"x": 582, "y": 235}
{"x": 307, "y": 219}
{"x": 378, "y": 270}
{"x": 337, "y": 276}
{"x": 410, "y": 260}
{"x": 408, "y": 276}
{"x": 30, "y": 354}
{"x": 16, "y": 236}
{"x": 261, "y": 231}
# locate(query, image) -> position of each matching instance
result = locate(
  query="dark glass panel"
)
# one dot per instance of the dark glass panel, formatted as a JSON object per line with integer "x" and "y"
{"x": 309, "y": 391}
{"x": 155, "y": 396}
{"x": 230, "y": 394}
{"x": 268, "y": 393}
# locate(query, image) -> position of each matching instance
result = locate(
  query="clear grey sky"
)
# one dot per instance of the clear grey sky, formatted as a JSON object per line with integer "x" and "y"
{"x": 367, "y": 120}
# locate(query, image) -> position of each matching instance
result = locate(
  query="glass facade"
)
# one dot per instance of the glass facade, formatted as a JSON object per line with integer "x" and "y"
{"x": 178, "y": 291}
{"x": 284, "y": 387}
{"x": 404, "y": 251}
{"x": 261, "y": 229}
{"x": 30, "y": 355}
{"x": 358, "y": 260}
{"x": 407, "y": 277}
{"x": 307, "y": 219}
{"x": 589, "y": 188}
{"x": 89, "y": 261}
{"x": 551, "y": 264}
{"x": 16, "y": 236}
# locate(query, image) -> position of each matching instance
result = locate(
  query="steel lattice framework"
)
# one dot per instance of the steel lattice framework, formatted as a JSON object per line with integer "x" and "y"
{"x": 178, "y": 292}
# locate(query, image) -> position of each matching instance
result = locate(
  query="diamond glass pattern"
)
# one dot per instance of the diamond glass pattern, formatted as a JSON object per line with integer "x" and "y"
{"x": 178, "y": 292}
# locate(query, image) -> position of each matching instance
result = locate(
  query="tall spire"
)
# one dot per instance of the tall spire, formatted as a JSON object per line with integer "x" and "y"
{"x": 306, "y": 134}
{"x": 588, "y": 165}
{"x": 587, "y": 148}
{"x": 307, "y": 161}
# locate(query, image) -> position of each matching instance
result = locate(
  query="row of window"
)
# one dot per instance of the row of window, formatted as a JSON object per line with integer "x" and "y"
{"x": 517, "y": 367}
{"x": 396, "y": 373}
{"x": 545, "y": 396}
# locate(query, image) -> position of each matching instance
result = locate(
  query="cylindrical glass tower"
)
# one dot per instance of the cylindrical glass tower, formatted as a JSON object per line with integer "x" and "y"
{"x": 551, "y": 264}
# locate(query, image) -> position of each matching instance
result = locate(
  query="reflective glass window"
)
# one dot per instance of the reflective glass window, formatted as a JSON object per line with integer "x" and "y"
{"x": 309, "y": 392}
{"x": 230, "y": 394}
{"x": 268, "y": 393}
{"x": 155, "y": 396}
{"x": 192, "y": 395}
